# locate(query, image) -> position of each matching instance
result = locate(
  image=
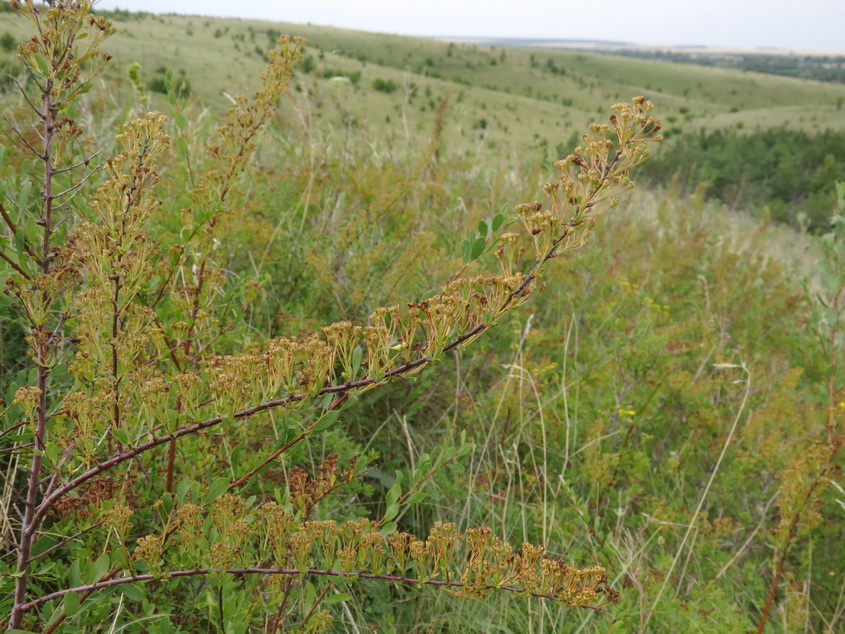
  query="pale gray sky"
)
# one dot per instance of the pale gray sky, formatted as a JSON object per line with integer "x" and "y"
{"x": 816, "y": 25}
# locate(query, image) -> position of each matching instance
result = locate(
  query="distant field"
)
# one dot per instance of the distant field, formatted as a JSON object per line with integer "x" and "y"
{"x": 502, "y": 98}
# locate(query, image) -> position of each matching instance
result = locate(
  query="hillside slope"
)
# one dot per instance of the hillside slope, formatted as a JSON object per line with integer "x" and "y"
{"x": 501, "y": 98}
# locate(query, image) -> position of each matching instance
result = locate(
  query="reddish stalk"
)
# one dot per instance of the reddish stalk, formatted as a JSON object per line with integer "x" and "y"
{"x": 42, "y": 338}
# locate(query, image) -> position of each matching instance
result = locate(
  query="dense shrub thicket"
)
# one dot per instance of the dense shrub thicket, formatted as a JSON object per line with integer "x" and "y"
{"x": 785, "y": 173}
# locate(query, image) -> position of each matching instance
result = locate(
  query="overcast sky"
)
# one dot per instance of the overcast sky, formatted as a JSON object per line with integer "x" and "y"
{"x": 815, "y": 25}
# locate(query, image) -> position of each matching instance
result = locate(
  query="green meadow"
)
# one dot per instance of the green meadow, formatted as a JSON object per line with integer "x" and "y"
{"x": 645, "y": 436}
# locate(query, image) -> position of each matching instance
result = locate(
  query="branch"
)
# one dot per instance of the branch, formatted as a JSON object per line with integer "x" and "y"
{"x": 340, "y": 400}
{"x": 14, "y": 229}
{"x": 64, "y": 541}
{"x": 577, "y": 220}
{"x": 25, "y": 96}
{"x": 14, "y": 265}
{"x": 73, "y": 188}
{"x": 49, "y": 500}
{"x": 23, "y": 138}
{"x": 276, "y": 571}
{"x": 211, "y": 422}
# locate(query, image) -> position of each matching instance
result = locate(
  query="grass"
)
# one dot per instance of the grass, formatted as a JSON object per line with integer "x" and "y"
{"x": 644, "y": 414}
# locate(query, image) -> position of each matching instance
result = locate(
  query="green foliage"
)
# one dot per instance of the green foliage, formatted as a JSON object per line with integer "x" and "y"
{"x": 385, "y": 85}
{"x": 815, "y": 67}
{"x": 308, "y": 65}
{"x": 786, "y": 171}
{"x": 7, "y": 41}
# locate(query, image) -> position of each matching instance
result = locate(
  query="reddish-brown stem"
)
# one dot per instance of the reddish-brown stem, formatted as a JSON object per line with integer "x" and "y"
{"x": 317, "y": 603}
{"x": 13, "y": 427}
{"x": 337, "y": 403}
{"x": 14, "y": 229}
{"x": 42, "y": 343}
{"x": 835, "y": 442}
{"x": 280, "y": 613}
{"x": 793, "y": 531}
{"x": 15, "y": 265}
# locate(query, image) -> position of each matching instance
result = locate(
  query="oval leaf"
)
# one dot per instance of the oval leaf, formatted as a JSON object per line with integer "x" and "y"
{"x": 217, "y": 488}
{"x": 477, "y": 248}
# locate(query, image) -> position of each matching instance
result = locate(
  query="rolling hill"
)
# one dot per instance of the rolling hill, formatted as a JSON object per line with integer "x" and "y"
{"x": 387, "y": 87}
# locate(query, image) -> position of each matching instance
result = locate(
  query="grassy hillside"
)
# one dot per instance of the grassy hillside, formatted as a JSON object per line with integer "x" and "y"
{"x": 502, "y": 98}
{"x": 670, "y": 406}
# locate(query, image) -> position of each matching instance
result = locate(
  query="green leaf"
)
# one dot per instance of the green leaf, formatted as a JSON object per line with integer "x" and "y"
{"x": 477, "y": 248}
{"x": 71, "y": 603}
{"x": 415, "y": 498}
{"x": 326, "y": 422}
{"x": 340, "y": 597}
{"x": 181, "y": 121}
{"x": 217, "y": 488}
{"x": 482, "y": 228}
{"x": 284, "y": 438}
{"x": 394, "y": 494}
{"x": 43, "y": 543}
{"x": 498, "y": 220}
{"x": 101, "y": 567}
{"x": 391, "y": 512}
{"x": 310, "y": 596}
{"x": 167, "y": 502}
{"x": 357, "y": 354}
{"x": 466, "y": 249}
{"x": 22, "y": 199}
{"x": 121, "y": 435}
{"x": 388, "y": 528}
{"x": 53, "y": 453}
{"x": 183, "y": 144}
{"x": 42, "y": 65}
{"x": 182, "y": 490}
{"x": 74, "y": 575}
{"x": 133, "y": 591}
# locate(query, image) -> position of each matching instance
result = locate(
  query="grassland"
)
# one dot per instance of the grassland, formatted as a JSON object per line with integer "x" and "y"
{"x": 664, "y": 409}
{"x": 507, "y": 100}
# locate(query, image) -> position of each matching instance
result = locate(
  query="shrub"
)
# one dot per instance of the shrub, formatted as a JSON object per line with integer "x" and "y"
{"x": 385, "y": 85}
{"x": 140, "y": 355}
{"x": 7, "y": 42}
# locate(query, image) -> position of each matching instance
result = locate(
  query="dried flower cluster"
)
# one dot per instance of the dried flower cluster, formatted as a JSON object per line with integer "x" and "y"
{"x": 133, "y": 324}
